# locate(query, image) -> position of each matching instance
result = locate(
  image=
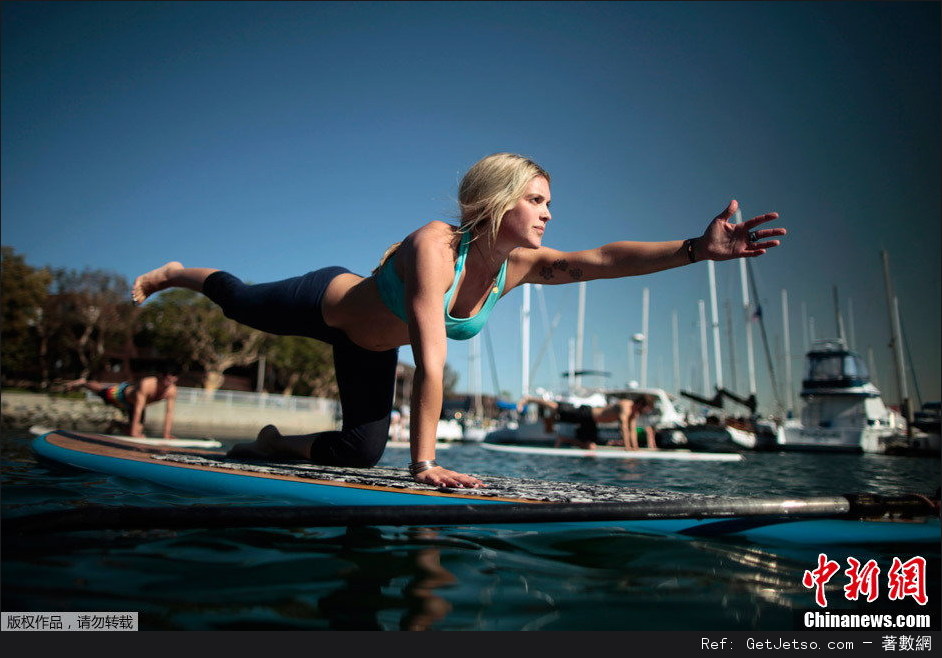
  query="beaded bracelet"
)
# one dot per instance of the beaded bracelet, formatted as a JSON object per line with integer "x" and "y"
{"x": 421, "y": 466}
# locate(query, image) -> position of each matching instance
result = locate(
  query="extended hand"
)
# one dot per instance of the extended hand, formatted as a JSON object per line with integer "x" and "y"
{"x": 442, "y": 477}
{"x": 724, "y": 240}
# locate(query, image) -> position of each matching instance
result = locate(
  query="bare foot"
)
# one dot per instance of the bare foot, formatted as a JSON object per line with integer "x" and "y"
{"x": 263, "y": 448}
{"x": 154, "y": 281}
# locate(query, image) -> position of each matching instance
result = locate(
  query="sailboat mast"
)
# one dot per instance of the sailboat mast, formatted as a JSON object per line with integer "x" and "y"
{"x": 474, "y": 373}
{"x": 525, "y": 341}
{"x": 715, "y": 325}
{"x": 704, "y": 357}
{"x": 572, "y": 364}
{"x": 676, "y": 345}
{"x": 839, "y": 321}
{"x": 580, "y": 333}
{"x": 744, "y": 279}
{"x": 904, "y": 385}
{"x": 765, "y": 339}
{"x": 788, "y": 354}
{"x": 731, "y": 344}
{"x": 645, "y": 303}
{"x": 549, "y": 327}
{"x": 895, "y": 339}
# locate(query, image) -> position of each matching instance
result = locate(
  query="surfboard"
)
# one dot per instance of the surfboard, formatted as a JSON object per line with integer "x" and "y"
{"x": 37, "y": 430}
{"x": 614, "y": 452}
{"x": 335, "y": 496}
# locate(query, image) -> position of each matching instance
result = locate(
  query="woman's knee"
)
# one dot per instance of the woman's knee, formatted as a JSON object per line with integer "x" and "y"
{"x": 370, "y": 445}
{"x": 359, "y": 447}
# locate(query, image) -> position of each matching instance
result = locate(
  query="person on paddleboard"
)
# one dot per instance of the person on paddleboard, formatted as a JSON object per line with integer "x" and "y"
{"x": 133, "y": 397}
{"x": 587, "y": 419}
{"x": 440, "y": 282}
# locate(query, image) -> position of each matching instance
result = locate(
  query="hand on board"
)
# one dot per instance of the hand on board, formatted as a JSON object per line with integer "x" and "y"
{"x": 442, "y": 477}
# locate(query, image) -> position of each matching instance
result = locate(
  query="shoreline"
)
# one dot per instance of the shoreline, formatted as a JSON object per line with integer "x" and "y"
{"x": 198, "y": 419}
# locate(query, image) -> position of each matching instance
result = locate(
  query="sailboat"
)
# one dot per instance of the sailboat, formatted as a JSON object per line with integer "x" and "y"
{"x": 532, "y": 431}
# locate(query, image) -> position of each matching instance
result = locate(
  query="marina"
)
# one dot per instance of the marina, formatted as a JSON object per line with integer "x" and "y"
{"x": 727, "y": 508}
{"x": 571, "y": 317}
{"x": 840, "y": 408}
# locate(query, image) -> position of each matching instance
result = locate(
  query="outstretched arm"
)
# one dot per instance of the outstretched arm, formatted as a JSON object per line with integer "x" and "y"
{"x": 722, "y": 240}
{"x": 540, "y": 402}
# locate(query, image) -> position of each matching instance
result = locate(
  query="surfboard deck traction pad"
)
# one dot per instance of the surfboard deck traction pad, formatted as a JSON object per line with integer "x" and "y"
{"x": 496, "y": 486}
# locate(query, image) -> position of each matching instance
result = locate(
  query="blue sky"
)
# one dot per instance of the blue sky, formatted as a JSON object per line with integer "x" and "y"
{"x": 273, "y": 138}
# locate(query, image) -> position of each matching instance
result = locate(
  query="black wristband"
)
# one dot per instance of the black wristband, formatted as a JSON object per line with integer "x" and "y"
{"x": 688, "y": 246}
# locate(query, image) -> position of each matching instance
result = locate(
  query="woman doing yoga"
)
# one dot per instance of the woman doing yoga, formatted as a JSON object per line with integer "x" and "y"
{"x": 440, "y": 282}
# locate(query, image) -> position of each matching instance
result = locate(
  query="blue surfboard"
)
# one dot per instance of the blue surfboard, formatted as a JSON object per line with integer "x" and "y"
{"x": 336, "y": 496}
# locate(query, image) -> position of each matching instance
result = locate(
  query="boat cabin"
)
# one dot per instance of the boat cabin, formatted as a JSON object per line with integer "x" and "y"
{"x": 831, "y": 366}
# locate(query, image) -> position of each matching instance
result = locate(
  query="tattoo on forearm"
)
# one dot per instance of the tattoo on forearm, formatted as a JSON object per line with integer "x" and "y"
{"x": 562, "y": 265}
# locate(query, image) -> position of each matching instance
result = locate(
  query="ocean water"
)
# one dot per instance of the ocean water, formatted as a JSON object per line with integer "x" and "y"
{"x": 461, "y": 578}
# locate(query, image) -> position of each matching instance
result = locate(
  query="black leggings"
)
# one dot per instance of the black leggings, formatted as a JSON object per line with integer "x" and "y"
{"x": 366, "y": 379}
{"x": 588, "y": 430}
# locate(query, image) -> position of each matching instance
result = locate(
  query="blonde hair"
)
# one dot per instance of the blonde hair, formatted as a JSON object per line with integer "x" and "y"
{"x": 492, "y": 187}
{"x": 489, "y": 189}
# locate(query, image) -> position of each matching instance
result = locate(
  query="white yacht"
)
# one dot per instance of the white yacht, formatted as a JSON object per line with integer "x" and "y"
{"x": 842, "y": 409}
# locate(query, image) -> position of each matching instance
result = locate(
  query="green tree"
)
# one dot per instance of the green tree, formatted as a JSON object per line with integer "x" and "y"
{"x": 188, "y": 327}
{"x": 92, "y": 310}
{"x": 302, "y": 365}
{"x": 25, "y": 289}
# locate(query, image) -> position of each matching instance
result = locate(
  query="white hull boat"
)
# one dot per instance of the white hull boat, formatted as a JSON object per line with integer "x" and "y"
{"x": 842, "y": 411}
{"x": 720, "y": 437}
{"x": 665, "y": 419}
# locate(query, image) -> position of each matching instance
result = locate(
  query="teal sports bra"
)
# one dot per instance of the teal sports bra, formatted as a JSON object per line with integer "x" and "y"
{"x": 392, "y": 292}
